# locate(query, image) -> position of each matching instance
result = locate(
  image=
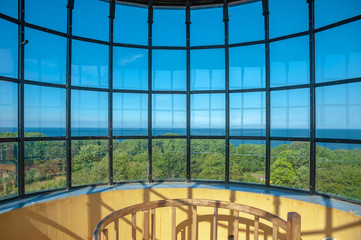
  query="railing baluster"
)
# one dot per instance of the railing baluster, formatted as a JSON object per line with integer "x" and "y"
{"x": 105, "y": 234}
{"x": 275, "y": 232}
{"x": 116, "y": 229}
{"x": 174, "y": 234}
{"x": 153, "y": 223}
{"x": 134, "y": 226}
{"x": 145, "y": 232}
{"x": 256, "y": 227}
{"x": 215, "y": 223}
{"x": 235, "y": 225}
{"x": 194, "y": 223}
{"x": 294, "y": 226}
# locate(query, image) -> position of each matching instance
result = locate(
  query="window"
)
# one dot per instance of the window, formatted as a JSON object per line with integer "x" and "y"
{"x": 8, "y": 49}
{"x": 8, "y": 109}
{"x": 9, "y": 168}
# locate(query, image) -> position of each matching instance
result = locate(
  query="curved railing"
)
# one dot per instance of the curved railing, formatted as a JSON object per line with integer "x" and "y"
{"x": 292, "y": 226}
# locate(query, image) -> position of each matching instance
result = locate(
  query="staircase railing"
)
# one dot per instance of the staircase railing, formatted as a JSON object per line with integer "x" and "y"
{"x": 292, "y": 226}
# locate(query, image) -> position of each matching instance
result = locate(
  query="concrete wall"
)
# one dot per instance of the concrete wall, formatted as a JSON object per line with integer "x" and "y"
{"x": 75, "y": 217}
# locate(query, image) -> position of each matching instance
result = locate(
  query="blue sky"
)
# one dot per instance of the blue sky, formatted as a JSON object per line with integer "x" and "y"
{"x": 338, "y": 56}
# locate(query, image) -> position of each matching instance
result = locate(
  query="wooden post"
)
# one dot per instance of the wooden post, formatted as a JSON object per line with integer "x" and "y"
{"x": 116, "y": 229}
{"x": 256, "y": 227}
{"x": 134, "y": 226}
{"x": 145, "y": 232}
{"x": 153, "y": 223}
{"x": 174, "y": 224}
{"x": 194, "y": 224}
{"x": 235, "y": 225}
{"x": 294, "y": 226}
{"x": 275, "y": 232}
{"x": 215, "y": 223}
{"x": 105, "y": 234}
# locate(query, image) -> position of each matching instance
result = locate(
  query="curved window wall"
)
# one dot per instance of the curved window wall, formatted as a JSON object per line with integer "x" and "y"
{"x": 243, "y": 93}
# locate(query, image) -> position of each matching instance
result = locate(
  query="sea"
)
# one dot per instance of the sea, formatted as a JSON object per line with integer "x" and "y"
{"x": 302, "y": 133}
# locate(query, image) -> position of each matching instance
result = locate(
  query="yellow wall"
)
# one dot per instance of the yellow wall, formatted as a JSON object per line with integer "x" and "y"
{"x": 76, "y": 217}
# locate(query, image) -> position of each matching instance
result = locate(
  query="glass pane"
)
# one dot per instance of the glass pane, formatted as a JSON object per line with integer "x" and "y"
{"x": 89, "y": 66}
{"x": 287, "y": 17}
{"x": 8, "y": 167}
{"x": 290, "y": 164}
{"x": 247, "y": 67}
{"x": 207, "y": 69}
{"x": 130, "y": 68}
{"x": 340, "y": 10}
{"x": 208, "y": 114}
{"x": 91, "y": 19}
{"x": 290, "y": 62}
{"x": 169, "y": 27}
{"x": 8, "y": 49}
{"x": 90, "y": 162}
{"x": 290, "y": 113}
{"x": 338, "y": 169}
{"x": 89, "y": 113}
{"x": 207, "y": 26}
{"x": 49, "y": 14}
{"x": 130, "y": 159}
{"x": 169, "y": 70}
{"x": 130, "y": 24}
{"x": 45, "y": 111}
{"x": 338, "y": 111}
{"x": 169, "y": 114}
{"x": 9, "y": 7}
{"x": 8, "y": 109}
{"x": 338, "y": 53}
{"x": 247, "y": 161}
{"x": 169, "y": 158}
{"x": 45, "y": 57}
{"x": 248, "y": 114}
{"x": 246, "y": 22}
{"x": 45, "y": 165}
{"x": 130, "y": 114}
{"x": 208, "y": 159}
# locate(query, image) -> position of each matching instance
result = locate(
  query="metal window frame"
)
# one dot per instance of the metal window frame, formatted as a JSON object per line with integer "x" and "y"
{"x": 312, "y": 86}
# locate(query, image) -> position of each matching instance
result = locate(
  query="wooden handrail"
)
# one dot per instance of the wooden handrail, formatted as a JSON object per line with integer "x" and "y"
{"x": 292, "y": 227}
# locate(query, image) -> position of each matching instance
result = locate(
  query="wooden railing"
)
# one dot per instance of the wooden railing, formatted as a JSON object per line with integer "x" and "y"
{"x": 292, "y": 227}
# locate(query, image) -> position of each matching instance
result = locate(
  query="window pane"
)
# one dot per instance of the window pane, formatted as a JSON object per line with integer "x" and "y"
{"x": 290, "y": 62}
{"x": 247, "y": 67}
{"x": 338, "y": 111}
{"x": 8, "y": 49}
{"x": 89, "y": 66}
{"x": 246, "y": 22}
{"x": 49, "y": 14}
{"x": 89, "y": 113}
{"x": 90, "y": 161}
{"x": 207, "y": 69}
{"x": 8, "y": 109}
{"x": 290, "y": 164}
{"x": 169, "y": 114}
{"x": 338, "y": 169}
{"x": 45, "y": 111}
{"x": 8, "y": 165}
{"x": 169, "y": 28}
{"x": 169, "y": 70}
{"x": 208, "y": 114}
{"x": 45, "y": 57}
{"x": 130, "y": 24}
{"x": 207, "y": 26}
{"x": 130, "y": 114}
{"x": 208, "y": 159}
{"x": 287, "y": 17}
{"x": 169, "y": 158}
{"x": 130, "y": 159}
{"x": 340, "y": 10}
{"x": 9, "y": 7}
{"x": 248, "y": 114}
{"x": 45, "y": 165}
{"x": 338, "y": 53}
{"x": 91, "y": 19}
{"x": 130, "y": 68}
{"x": 247, "y": 161}
{"x": 290, "y": 113}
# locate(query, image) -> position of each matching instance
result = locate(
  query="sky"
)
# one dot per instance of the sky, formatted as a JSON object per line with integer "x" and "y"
{"x": 338, "y": 56}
